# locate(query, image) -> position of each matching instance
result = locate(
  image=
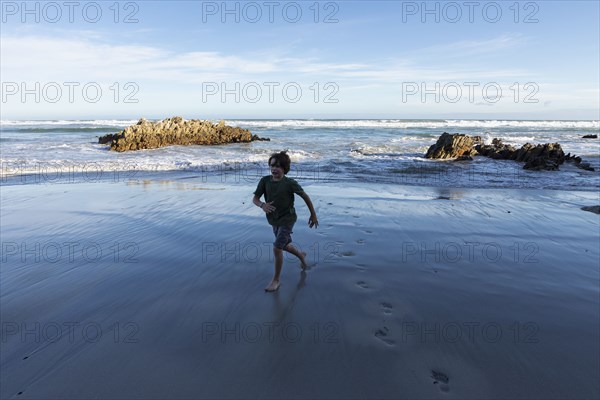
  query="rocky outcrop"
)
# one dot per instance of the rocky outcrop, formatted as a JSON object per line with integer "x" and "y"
{"x": 537, "y": 157}
{"x": 497, "y": 150}
{"x": 590, "y": 137}
{"x": 547, "y": 156}
{"x": 108, "y": 138}
{"x": 594, "y": 209}
{"x": 453, "y": 146}
{"x": 175, "y": 131}
{"x": 579, "y": 163}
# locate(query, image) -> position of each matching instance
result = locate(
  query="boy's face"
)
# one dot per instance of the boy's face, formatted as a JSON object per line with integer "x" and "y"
{"x": 276, "y": 169}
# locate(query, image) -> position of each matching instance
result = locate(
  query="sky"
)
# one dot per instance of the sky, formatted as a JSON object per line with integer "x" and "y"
{"x": 302, "y": 59}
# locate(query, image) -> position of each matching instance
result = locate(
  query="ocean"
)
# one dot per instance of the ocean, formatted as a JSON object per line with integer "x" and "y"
{"x": 385, "y": 151}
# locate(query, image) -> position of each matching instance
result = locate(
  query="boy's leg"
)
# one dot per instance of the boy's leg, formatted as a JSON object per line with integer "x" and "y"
{"x": 274, "y": 284}
{"x": 281, "y": 239}
{"x": 300, "y": 254}
{"x": 286, "y": 233}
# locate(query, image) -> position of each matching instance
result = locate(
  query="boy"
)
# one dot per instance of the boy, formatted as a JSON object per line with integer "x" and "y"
{"x": 279, "y": 191}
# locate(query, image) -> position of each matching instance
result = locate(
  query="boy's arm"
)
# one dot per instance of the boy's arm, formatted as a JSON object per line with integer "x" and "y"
{"x": 257, "y": 202}
{"x": 266, "y": 207}
{"x": 312, "y": 221}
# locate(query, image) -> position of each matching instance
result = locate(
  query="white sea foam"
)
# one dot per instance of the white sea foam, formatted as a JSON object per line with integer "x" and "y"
{"x": 525, "y": 124}
{"x": 404, "y": 124}
{"x": 376, "y": 123}
{"x": 70, "y": 123}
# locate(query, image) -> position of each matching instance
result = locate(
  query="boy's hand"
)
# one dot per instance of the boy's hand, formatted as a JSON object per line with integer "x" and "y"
{"x": 268, "y": 207}
{"x": 313, "y": 221}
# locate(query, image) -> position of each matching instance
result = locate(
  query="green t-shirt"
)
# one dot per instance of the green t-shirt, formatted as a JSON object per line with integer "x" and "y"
{"x": 281, "y": 193}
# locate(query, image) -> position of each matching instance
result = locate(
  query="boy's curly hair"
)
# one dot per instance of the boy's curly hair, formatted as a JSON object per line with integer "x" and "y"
{"x": 282, "y": 159}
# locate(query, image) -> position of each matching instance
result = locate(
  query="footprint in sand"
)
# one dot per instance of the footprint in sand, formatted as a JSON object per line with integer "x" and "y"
{"x": 387, "y": 308}
{"x": 362, "y": 284}
{"x": 326, "y": 227}
{"x": 441, "y": 379}
{"x": 382, "y": 334}
{"x": 361, "y": 267}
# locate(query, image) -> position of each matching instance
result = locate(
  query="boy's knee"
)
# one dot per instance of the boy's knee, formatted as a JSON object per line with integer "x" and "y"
{"x": 277, "y": 250}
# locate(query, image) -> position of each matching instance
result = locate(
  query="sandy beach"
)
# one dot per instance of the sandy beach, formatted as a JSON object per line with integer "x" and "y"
{"x": 154, "y": 289}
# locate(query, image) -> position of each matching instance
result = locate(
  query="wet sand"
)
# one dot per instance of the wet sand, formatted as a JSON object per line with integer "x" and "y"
{"x": 154, "y": 289}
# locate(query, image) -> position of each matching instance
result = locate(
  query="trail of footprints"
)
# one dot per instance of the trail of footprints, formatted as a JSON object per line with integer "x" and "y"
{"x": 439, "y": 378}
{"x": 383, "y": 334}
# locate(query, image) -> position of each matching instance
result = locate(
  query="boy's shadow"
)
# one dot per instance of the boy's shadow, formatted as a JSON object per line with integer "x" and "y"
{"x": 281, "y": 309}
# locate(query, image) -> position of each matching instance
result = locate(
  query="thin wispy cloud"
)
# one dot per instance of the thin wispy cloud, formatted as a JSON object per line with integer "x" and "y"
{"x": 472, "y": 47}
{"x": 30, "y": 57}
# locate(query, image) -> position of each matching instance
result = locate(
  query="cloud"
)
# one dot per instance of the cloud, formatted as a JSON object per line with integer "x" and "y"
{"x": 464, "y": 48}
{"x": 87, "y": 58}
{"x": 35, "y": 58}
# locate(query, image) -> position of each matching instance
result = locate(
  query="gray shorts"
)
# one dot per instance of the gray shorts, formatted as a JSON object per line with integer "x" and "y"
{"x": 283, "y": 235}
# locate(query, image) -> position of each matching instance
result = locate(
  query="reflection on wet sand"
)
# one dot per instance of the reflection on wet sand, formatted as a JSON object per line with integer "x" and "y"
{"x": 171, "y": 184}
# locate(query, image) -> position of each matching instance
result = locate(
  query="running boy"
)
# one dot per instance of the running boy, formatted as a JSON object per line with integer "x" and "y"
{"x": 279, "y": 191}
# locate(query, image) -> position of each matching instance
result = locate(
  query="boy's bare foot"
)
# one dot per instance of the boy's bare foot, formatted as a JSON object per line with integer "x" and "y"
{"x": 273, "y": 286}
{"x": 303, "y": 262}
